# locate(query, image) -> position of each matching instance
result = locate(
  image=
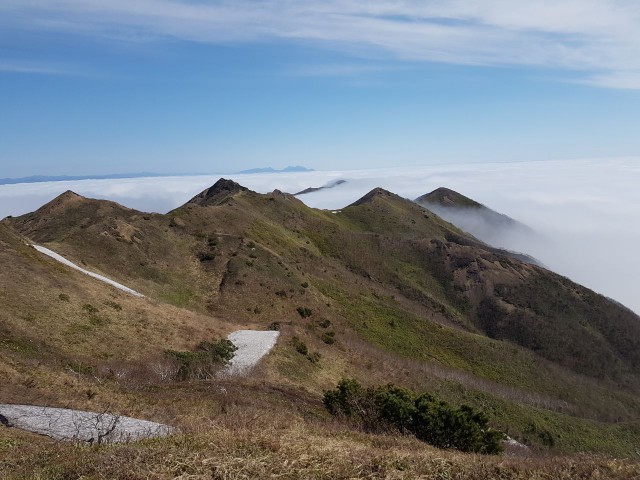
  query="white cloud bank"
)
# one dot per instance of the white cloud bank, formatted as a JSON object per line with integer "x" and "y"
{"x": 599, "y": 39}
{"x": 588, "y": 210}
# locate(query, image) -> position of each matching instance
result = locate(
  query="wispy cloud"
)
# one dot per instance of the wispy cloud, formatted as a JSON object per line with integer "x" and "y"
{"x": 35, "y": 68}
{"x": 599, "y": 38}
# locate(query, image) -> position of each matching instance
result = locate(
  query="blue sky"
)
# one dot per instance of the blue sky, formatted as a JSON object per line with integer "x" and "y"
{"x": 177, "y": 86}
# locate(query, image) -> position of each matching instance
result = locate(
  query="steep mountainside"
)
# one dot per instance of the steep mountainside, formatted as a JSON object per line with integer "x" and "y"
{"x": 384, "y": 290}
{"x": 473, "y": 217}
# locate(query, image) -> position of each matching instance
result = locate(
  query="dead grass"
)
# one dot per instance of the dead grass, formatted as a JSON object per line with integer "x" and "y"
{"x": 53, "y": 351}
{"x": 249, "y": 443}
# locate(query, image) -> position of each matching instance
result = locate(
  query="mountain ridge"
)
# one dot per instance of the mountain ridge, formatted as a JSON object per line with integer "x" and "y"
{"x": 383, "y": 282}
{"x": 289, "y": 169}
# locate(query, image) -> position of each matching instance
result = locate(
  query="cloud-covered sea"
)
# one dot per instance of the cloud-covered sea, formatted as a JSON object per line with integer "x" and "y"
{"x": 586, "y": 211}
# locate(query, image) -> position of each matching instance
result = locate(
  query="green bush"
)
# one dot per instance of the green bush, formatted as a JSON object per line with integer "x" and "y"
{"x": 326, "y": 323}
{"x": 433, "y": 421}
{"x": 206, "y": 256}
{"x": 207, "y": 358}
{"x": 314, "y": 357}
{"x": 304, "y": 312}
{"x": 437, "y": 423}
{"x": 329, "y": 338}
{"x": 300, "y": 346}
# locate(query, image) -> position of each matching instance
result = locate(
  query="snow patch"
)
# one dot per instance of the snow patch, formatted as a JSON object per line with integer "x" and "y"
{"x": 80, "y": 426}
{"x": 66, "y": 262}
{"x": 252, "y": 346}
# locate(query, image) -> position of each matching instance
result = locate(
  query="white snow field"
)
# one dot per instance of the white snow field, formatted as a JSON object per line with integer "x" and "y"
{"x": 252, "y": 346}
{"x": 80, "y": 426}
{"x": 66, "y": 262}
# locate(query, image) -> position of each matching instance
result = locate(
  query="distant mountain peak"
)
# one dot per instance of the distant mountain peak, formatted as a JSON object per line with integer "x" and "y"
{"x": 448, "y": 198}
{"x": 374, "y": 194}
{"x": 69, "y": 195}
{"x": 289, "y": 169}
{"x": 218, "y": 192}
{"x": 62, "y": 201}
{"x": 481, "y": 221}
{"x": 332, "y": 184}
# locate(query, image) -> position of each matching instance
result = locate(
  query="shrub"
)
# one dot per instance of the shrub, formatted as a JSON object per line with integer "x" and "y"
{"x": 314, "y": 357}
{"x": 329, "y": 338}
{"x": 347, "y": 399}
{"x": 206, "y": 256}
{"x": 437, "y": 423}
{"x": 207, "y": 358}
{"x": 300, "y": 346}
{"x": 64, "y": 297}
{"x": 274, "y": 326}
{"x": 326, "y": 323}
{"x": 430, "y": 420}
{"x": 87, "y": 307}
{"x": 304, "y": 312}
{"x": 304, "y": 284}
{"x": 395, "y": 406}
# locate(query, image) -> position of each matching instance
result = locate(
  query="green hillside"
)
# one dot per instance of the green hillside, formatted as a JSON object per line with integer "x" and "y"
{"x": 383, "y": 291}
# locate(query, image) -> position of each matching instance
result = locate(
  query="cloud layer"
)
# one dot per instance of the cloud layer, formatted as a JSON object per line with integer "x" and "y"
{"x": 587, "y": 211}
{"x": 598, "y": 39}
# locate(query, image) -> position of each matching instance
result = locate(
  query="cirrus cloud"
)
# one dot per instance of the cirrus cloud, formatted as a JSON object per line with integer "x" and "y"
{"x": 598, "y": 39}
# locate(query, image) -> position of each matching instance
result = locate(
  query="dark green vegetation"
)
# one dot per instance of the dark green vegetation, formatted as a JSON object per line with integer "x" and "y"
{"x": 204, "y": 362}
{"x": 384, "y": 291}
{"x": 388, "y": 407}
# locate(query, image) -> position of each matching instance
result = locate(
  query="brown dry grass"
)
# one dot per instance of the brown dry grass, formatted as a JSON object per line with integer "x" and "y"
{"x": 260, "y": 252}
{"x": 247, "y": 442}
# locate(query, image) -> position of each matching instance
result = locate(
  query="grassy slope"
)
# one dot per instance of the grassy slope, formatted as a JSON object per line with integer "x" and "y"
{"x": 401, "y": 290}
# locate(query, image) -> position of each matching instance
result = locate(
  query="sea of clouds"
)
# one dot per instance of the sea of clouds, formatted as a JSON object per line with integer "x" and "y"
{"x": 586, "y": 213}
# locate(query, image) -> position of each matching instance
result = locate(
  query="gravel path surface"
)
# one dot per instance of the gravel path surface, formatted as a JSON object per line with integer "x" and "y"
{"x": 63, "y": 260}
{"x": 252, "y": 346}
{"x": 77, "y": 425}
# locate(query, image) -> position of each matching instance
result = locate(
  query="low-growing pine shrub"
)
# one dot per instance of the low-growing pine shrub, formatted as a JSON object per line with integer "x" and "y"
{"x": 329, "y": 338}
{"x": 300, "y": 346}
{"x": 433, "y": 421}
{"x": 207, "y": 358}
{"x": 326, "y": 323}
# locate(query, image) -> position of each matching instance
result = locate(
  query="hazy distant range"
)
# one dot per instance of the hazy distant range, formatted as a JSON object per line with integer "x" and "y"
{"x": 115, "y": 176}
